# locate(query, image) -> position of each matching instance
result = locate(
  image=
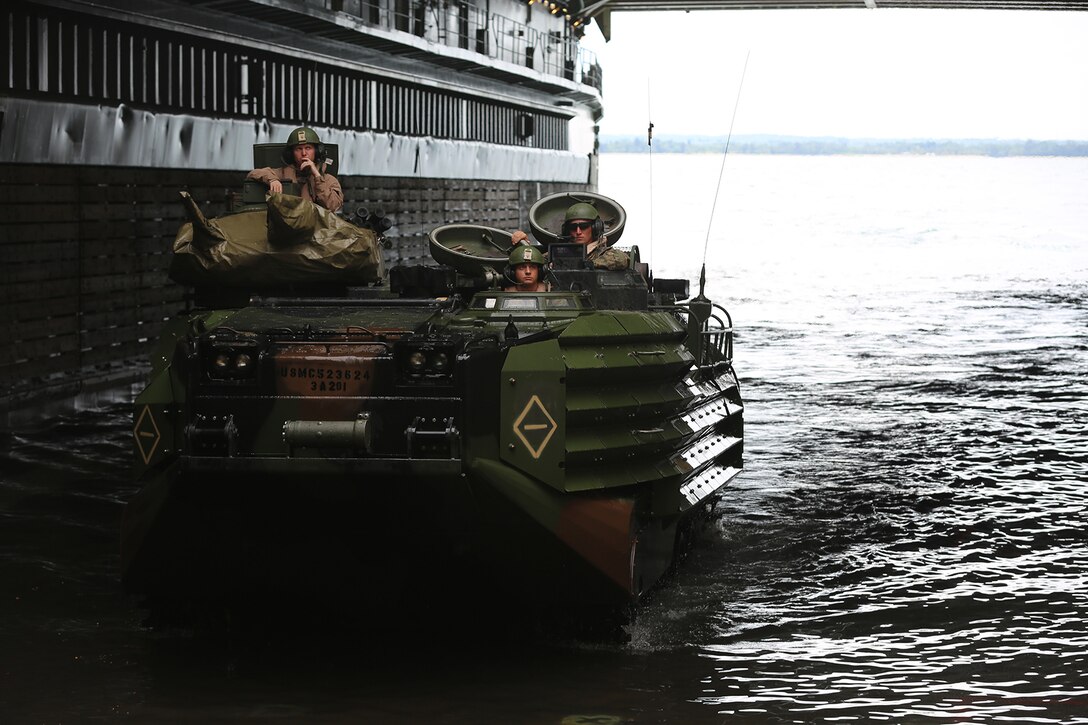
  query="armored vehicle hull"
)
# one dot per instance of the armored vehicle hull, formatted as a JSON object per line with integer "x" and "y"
{"x": 551, "y": 444}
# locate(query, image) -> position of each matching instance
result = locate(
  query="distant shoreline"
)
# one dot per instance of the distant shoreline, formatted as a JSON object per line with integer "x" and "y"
{"x": 828, "y": 146}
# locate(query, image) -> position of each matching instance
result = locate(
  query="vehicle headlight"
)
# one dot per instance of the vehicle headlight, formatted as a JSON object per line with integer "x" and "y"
{"x": 426, "y": 361}
{"x": 231, "y": 362}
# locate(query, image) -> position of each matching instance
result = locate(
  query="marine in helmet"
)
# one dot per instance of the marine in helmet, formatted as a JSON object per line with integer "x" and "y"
{"x": 526, "y": 267}
{"x": 582, "y": 224}
{"x": 304, "y": 156}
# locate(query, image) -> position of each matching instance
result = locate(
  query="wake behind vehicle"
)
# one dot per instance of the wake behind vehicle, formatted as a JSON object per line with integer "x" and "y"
{"x": 423, "y": 433}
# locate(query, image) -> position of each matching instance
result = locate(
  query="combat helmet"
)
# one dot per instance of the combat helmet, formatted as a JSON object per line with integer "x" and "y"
{"x": 526, "y": 254}
{"x": 301, "y": 135}
{"x": 583, "y": 210}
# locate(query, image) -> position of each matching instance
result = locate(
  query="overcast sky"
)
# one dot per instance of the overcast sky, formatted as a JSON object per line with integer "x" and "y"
{"x": 883, "y": 73}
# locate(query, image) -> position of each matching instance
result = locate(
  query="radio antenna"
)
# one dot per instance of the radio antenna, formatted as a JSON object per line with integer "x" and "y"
{"x": 418, "y": 170}
{"x": 721, "y": 172}
{"x": 650, "y": 144}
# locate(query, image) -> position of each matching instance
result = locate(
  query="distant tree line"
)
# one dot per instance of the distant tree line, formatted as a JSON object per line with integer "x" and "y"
{"x": 819, "y": 146}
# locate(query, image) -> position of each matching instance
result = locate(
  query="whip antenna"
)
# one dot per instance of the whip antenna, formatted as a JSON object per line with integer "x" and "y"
{"x": 650, "y": 144}
{"x": 721, "y": 172}
{"x": 419, "y": 180}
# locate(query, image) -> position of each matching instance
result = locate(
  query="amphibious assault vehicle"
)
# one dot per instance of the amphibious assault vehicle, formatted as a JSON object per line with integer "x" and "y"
{"x": 315, "y": 426}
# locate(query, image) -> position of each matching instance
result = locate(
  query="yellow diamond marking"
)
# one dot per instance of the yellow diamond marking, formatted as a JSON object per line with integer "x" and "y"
{"x": 521, "y": 427}
{"x": 146, "y": 433}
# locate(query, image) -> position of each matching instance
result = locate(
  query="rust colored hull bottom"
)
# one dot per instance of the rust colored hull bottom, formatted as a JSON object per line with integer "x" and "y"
{"x": 384, "y": 547}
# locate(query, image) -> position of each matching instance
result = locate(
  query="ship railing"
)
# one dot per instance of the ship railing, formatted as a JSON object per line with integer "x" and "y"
{"x": 465, "y": 26}
{"x": 547, "y": 51}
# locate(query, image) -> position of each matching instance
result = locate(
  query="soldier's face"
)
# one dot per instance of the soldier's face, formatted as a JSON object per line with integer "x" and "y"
{"x": 304, "y": 152}
{"x": 526, "y": 273}
{"x": 581, "y": 231}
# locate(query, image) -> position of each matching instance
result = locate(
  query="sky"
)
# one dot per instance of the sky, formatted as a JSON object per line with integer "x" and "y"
{"x": 859, "y": 73}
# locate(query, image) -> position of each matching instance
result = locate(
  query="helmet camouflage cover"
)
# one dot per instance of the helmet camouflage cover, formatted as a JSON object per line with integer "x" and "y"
{"x": 302, "y": 135}
{"x": 525, "y": 254}
{"x": 581, "y": 210}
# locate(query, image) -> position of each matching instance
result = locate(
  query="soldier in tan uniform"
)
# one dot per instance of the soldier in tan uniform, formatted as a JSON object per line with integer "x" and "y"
{"x": 303, "y": 153}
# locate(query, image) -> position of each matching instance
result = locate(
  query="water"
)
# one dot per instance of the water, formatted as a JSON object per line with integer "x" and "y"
{"x": 907, "y": 544}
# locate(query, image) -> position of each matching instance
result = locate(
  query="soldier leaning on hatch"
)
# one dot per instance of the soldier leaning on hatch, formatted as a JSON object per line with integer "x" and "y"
{"x": 302, "y": 152}
{"x": 582, "y": 224}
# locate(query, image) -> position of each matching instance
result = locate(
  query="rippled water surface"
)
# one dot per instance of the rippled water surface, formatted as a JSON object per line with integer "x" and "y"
{"x": 907, "y": 544}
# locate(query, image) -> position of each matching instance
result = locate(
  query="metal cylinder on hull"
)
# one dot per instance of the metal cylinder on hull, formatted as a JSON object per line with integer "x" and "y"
{"x": 354, "y": 434}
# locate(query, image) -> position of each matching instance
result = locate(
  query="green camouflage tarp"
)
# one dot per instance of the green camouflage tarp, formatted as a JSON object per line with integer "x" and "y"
{"x": 292, "y": 241}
